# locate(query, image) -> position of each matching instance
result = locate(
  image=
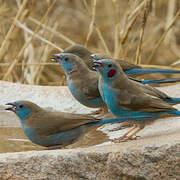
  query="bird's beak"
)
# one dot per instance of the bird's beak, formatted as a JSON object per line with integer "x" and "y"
{"x": 56, "y": 57}
{"x": 98, "y": 64}
{"x": 12, "y": 108}
{"x": 94, "y": 57}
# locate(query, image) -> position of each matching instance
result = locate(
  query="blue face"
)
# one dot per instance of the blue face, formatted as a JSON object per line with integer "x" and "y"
{"x": 21, "y": 110}
{"x": 65, "y": 62}
{"x": 107, "y": 70}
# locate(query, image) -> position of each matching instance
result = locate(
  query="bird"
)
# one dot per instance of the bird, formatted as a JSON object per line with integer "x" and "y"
{"x": 55, "y": 129}
{"x": 126, "y": 97}
{"x": 129, "y": 68}
{"x": 82, "y": 82}
{"x": 82, "y": 52}
{"x": 126, "y": 66}
{"x": 132, "y": 69}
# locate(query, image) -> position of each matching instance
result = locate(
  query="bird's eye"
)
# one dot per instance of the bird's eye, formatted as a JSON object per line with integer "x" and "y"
{"x": 21, "y": 106}
{"x": 110, "y": 65}
{"x": 66, "y": 59}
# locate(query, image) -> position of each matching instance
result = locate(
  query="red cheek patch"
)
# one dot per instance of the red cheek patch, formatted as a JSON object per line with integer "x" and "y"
{"x": 111, "y": 73}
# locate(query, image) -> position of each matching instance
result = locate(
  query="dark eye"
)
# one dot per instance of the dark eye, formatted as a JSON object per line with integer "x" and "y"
{"x": 110, "y": 65}
{"x": 66, "y": 59}
{"x": 21, "y": 106}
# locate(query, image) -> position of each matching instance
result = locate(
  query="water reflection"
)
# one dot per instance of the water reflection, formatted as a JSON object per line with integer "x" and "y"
{"x": 13, "y": 140}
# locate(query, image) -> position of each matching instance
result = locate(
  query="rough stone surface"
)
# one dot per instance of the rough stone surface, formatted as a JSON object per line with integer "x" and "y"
{"x": 108, "y": 162}
{"x": 154, "y": 155}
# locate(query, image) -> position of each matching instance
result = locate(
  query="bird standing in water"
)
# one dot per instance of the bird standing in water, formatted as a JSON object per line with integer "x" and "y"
{"x": 55, "y": 129}
{"x": 82, "y": 82}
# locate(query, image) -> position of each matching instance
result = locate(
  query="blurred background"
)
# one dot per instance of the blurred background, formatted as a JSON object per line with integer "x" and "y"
{"x": 145, "y": 32}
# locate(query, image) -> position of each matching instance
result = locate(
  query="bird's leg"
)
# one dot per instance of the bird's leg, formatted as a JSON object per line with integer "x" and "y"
{"x": 125, "y": 135}
{"x": 118, "y": 140}
{"x": 101, "y": 111}
{"x": 104, "y": 108}
{"x": 134, "y": 134}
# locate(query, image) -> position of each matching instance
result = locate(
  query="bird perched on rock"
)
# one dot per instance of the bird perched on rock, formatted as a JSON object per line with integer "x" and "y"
{"x": 82, "y": 82}
{"x": 125, "y": 97}
{"x": 55, "y": 129}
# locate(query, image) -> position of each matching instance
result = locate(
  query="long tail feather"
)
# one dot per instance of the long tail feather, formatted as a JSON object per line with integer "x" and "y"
{"x": 157, "y": 81}
{"x": 122, "y": 119}
{"x": 149, "y": 71}
{"x": 173, "y": 101}
{"x": 175, "y": 112}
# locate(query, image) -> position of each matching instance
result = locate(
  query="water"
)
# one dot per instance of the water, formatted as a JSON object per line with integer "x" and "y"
{"x": 13, "y": 140}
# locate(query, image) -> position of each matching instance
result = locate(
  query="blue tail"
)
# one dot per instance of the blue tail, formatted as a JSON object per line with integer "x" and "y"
{"x": 157, "y": 81}
{"x": 173, "y": 100}
{"x": 120, "y": 120}
{"x": 174, "y": 112}
{"x": 149, "y": 71}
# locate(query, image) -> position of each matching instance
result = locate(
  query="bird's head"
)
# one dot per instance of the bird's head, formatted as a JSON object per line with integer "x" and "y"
{"x": 99, "y": 56}
{"x": 78, "y": 50}
{"x": 69, "y": 62}
{"x": 23, "y": 109}
{"x": 108, "y": 68}
{"x": 81, "y": 52}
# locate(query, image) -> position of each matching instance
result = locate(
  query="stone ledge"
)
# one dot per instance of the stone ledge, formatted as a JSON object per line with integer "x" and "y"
{"x": 108, "y": 162}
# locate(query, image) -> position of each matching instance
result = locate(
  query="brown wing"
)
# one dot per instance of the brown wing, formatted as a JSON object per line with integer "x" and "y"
{"x": 47, "y": 123}
{"x": 151, "y": 91}
{"x": 141, "y": 102}
{"x": 125, "y": 65}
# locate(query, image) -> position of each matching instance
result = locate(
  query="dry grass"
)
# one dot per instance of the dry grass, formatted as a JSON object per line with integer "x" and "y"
{"x": 145, "y": 32}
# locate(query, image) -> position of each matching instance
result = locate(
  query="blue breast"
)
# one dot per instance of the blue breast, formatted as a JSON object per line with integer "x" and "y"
{"x": 61, "y": 138}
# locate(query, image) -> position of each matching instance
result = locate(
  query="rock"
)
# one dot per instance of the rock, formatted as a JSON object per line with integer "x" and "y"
{"x": 120, "y": 161}
{"x": 154, "y": 155}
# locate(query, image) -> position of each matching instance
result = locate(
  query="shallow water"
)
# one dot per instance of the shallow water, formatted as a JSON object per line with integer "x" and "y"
{"x": 13, "y": 139}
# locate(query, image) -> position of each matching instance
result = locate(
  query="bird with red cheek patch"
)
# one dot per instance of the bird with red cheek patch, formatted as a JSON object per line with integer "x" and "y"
{"x": 126, "y": 97}
{"x": 82, "y": 81}
{"x": 112, "y": 72}
{"x": 135, "y": 70}
{"x": 87, "y": 57}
